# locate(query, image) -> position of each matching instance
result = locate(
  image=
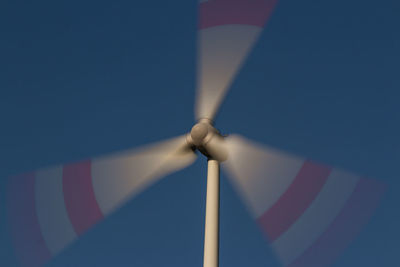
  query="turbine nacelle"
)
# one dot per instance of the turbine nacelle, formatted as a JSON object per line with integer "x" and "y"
{"x": 205, "y": 138}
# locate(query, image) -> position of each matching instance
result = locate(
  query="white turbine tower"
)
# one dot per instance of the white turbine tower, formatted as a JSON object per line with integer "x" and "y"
{"x": 309, "y": 212}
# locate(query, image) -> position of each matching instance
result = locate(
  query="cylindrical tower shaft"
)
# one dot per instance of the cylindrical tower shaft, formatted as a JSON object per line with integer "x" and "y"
{"x": 211, "y": 238}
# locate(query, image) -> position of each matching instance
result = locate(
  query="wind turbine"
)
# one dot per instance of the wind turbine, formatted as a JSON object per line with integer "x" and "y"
{"x": 301, "y": 206}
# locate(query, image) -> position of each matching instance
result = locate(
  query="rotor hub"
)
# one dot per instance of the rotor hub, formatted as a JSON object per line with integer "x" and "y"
{"x": 206, "y": 139}
{"x": 199, "y": 133}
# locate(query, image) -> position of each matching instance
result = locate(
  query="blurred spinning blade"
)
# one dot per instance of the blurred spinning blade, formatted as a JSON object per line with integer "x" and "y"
{"x": 228, "y": 30}
{"x": 309, "y": 212}
{"x": 50, "y": 208}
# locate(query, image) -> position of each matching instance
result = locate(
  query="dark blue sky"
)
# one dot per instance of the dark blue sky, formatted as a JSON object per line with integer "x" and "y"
{"x": 86, "y": 78}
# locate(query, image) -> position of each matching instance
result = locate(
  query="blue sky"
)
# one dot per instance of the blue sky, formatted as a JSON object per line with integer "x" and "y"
{"x": 86, "y": 78}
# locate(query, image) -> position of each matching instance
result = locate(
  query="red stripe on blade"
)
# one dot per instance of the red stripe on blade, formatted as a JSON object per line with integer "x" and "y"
{"x": 291, "y": 205}
{"x": 80, "y": 200}
{"x": 223, "y": 12}
{"x": 355, "y": 214}
{"x": 28, "y": 241}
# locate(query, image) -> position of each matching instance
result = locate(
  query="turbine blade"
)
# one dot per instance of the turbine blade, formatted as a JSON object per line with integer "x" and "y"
{"x": 50, "y": 208}
{"x": 308, "y": 211}
{"x": 227, "y": 31}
